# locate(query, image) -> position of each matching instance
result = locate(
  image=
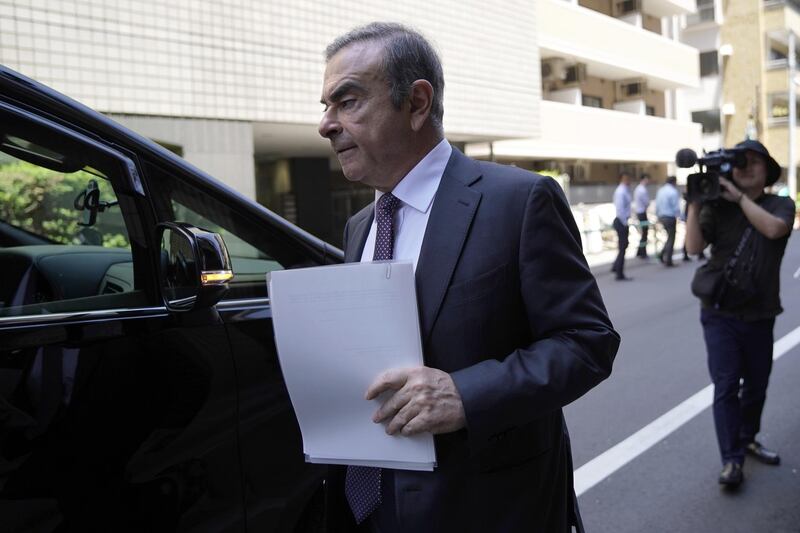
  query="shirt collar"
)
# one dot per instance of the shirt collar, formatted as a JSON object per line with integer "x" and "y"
{"x": 419, "y": 186}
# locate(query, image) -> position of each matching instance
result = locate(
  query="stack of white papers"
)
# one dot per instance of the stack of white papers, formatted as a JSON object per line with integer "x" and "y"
{"x": 336, "y": 329}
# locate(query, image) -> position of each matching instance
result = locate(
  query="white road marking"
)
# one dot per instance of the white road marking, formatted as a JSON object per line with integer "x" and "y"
{"x": 608, "y": 462}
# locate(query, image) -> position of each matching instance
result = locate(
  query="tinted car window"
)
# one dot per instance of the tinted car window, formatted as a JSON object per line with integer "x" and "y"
{"x": 250, "y": 264}
{"x": 64, "y": 244}
{"x": 254, "y": 248}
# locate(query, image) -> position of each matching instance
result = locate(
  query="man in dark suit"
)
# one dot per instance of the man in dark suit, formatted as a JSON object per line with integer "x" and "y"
{"x": 513, "y": 325}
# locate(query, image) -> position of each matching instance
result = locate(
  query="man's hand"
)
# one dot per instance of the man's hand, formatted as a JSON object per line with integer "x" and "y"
{"x": 425, "y": 399}
{"x": 729, "y": 191}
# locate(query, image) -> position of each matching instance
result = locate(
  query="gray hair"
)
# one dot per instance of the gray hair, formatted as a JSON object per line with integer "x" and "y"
{"x": 407, "y": 57}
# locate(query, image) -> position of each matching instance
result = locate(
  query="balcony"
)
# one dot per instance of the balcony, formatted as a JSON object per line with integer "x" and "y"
{"x": 613, "y": 49}
{"x": 571, "y": 132}
{"x": 668, "y": 8}
{"x": 706, "y": 13}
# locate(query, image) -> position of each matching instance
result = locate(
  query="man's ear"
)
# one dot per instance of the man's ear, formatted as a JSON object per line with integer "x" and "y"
{"x": 420, "y": 98}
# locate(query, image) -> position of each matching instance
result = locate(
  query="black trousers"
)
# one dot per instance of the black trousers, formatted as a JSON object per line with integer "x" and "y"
{"x": 622, "y": 244}
{"x": 644, "y": 226}
{"x": 737, "y": 350}
{"x": 670, "y": 224}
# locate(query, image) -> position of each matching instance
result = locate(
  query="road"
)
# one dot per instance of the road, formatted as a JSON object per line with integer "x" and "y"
{"x": 672, "y": 486}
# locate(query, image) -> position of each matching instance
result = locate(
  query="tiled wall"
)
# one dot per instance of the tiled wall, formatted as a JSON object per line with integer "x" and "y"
{"x": 262, "y": 60}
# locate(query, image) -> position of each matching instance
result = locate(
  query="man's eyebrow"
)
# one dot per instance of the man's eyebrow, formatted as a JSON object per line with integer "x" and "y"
{"x": 341, "y": 90}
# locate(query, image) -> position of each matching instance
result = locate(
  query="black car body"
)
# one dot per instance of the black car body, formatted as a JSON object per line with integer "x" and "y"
{"x": 118, "y": 412}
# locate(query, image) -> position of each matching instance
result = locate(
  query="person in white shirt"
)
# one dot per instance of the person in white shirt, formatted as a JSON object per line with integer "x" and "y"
{"x": 622, "y": 204}
{"x": 641, "y": 200}
{"x": 668, "y": 209}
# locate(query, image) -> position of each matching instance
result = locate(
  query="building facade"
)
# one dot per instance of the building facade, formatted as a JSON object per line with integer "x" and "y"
{"x": 234, "y": 86}
{"x": 610, "y": 69}
{"x": 745, "y": 73}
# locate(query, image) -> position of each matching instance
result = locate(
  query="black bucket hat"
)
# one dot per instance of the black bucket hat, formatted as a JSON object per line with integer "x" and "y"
{"x": 773, "y": 168}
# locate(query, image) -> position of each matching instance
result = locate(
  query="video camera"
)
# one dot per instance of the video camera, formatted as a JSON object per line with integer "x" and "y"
{"x": 704, "y": 186}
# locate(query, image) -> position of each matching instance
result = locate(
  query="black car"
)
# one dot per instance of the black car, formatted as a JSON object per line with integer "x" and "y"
{"x": 139, "y": 383}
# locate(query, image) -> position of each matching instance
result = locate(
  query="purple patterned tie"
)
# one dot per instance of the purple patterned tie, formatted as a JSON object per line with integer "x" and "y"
{"x": 362, "y": 484}
{"x": 384, "y": 237}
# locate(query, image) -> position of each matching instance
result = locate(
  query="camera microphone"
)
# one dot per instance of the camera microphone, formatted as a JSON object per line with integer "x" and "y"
{"x": 686, "y": 158}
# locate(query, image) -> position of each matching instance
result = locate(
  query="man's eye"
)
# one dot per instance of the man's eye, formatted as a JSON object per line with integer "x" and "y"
{"x": 347, "y": 104}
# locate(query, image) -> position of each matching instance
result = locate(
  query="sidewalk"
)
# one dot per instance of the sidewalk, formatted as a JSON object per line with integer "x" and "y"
{"x": 604, "y": 258}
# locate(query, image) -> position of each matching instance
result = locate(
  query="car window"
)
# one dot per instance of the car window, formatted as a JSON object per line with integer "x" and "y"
{"x": 255, "y": 249}
{"x": 249, "y": 263}
{"x": 64, "y": 243}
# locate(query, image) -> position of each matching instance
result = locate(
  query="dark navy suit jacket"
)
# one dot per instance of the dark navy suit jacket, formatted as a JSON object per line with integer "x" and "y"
{"x": 509, "y": 307}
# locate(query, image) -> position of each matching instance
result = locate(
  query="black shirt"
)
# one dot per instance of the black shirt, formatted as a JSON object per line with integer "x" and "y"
{"x": 723, "y": 225}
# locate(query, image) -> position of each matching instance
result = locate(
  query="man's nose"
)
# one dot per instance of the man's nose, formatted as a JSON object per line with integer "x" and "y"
{"x": 329, "y": 126}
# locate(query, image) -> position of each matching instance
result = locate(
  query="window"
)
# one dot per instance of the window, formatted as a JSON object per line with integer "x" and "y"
{"x": 253, "y": 251}
{"x": 778, "y": 106}
{"x": 650, "y": 110}
{"x": 64, "y": 242}
{"x": 710, "y": 119}
{"x": 777, "y": 47}
{"x": 591, "y": 101}
{"x": 776, "y": 54}
{"x": 624, "y": 7}
{"x": 709, "y": 63}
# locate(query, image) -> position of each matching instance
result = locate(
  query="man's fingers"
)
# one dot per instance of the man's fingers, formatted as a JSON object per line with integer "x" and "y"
{"x": 413, "y": 427}
{"x": 390, "y": 407}
{"x": 402, "y": 418}
{"x": 389, "y": 380}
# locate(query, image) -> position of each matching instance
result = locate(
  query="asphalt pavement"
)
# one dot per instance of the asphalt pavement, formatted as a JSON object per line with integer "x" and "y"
{"x": 672, "y": 486}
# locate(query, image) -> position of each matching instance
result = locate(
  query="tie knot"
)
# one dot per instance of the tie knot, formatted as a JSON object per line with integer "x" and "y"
{"x": 388, "y": 203}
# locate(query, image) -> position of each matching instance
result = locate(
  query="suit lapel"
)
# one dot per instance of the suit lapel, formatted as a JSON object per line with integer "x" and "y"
{"x": 358, "y": 237}
{"x": 453, "y": 210}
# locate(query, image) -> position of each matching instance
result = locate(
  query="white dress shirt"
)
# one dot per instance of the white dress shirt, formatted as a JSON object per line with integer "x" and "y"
{"x": 622, "y": 202}
{"x": 416, "y": 193}
{"x": 641, "y": 199}
{"x": 668, "y": 201}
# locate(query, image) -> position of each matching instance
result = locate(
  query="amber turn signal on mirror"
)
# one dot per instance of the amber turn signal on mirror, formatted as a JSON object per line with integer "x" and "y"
{"x": 215, "y": 277}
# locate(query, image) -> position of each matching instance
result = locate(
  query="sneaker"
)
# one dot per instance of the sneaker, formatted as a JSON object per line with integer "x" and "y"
{"x": 731, "y": 475}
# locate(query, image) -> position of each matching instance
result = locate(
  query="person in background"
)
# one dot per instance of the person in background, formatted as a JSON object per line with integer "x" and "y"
{"x": 622, "y": 206}
{"x": 668, "y": 209}
{"x": 641, "y": 200}
{"x": 748, "y": 231}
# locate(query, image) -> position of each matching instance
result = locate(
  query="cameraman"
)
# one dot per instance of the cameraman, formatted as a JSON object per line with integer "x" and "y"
{"x": 738, "y": 323}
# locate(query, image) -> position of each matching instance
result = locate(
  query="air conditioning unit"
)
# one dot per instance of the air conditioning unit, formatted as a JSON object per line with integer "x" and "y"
{"x": 630, "y": 89}
{"x": 574, "y": 75}
{"x": 553, "y": 69}
{"x": 624, "y": 7}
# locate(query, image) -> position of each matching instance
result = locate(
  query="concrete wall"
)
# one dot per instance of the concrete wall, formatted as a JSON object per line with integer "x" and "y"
{"x": 577, "y": 132}
{"x": 221, "y": 148}
{"x": 655, "y": 99}
{"x": 743, "y": 72}
{"x": 601, "y": 88}
{"x": 601, "y": 6}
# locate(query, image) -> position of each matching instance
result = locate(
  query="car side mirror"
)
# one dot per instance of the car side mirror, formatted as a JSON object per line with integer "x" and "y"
{"x": 195, "y": 267}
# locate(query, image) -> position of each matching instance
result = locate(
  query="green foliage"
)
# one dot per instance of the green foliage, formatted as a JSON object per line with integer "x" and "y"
{"x": 552, "y": 172}
{"x": 561, "y": 178}
{"x": 41, "y": 201}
